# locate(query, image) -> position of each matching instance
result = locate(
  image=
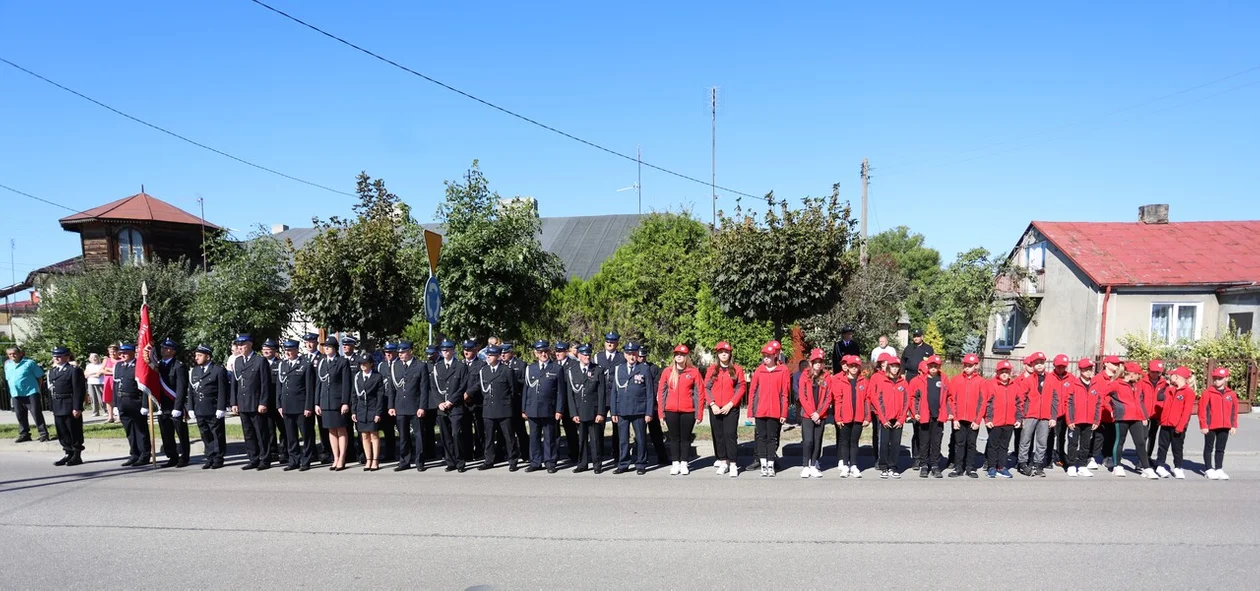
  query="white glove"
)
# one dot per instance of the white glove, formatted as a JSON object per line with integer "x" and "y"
{"x": 144, "y": 411}
{"x": 177, "y": 413}
{"x": 116, "y": 415}
{"x": 218, "y": 414}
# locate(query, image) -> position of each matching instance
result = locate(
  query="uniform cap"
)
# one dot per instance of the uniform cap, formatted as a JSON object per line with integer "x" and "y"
{"x": 846, "y": 329}
{"x": 816, "y": 355}
{"x": 776, "y": 345}
{"x": 331, "y": 341}
{"x": 204, "y": 350}
{"x": 768, "y": 351}
{"x": 241, "y": 338}
{"x": 612, "y": 337}
{"x": 917, "y": 333}
{"x": 169, "y": 343}
{"x": 723, "y": 346}
{"x": 632, "y": 347}
{"x": 1113, "y": 359}
{"x": 365, "y": 358}
{"x": 1035, "y": 358}
{"x": 126, "y": 347}
{"x": 470, "y": 344}
{"x": 506, "y": 347}
{"x": 541, "y": 345}
{"x": 60, "y": 351}
{"x": 1061, "y": 360}
{"x": 1155, "y": 365}
{"x": 1182, "y": 371}
{"x": 493, "y": 351}
{"x": 888, "y": 358}
{"x": 1132, "y": 367}
{"x": 310, "y": 336}
{"x": 447, "y": 344}
{"x": 1084, "y": 364}
{"x": 1220, "y": 372}
{"x": 1004, "y": 365}
{"x": 349, "y": 341}
{"x": 562, "y": 346}
{"x": 404, "y": 345}
{"x": 430, "y": 350}
{"x": 933, "y": 360}
{"x": 267, "y": 343}
{"x": 390, "y": 347}
{"x": 682, "y": 350}
{"x": 971, "y": 359}
{"x": 584, "y": 349}
{"x": 290, "y": 344}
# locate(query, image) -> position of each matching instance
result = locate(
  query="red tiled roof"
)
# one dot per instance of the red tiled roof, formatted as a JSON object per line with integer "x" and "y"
{"x": 140, "y": 207}
{"x": 1172, "y": 254}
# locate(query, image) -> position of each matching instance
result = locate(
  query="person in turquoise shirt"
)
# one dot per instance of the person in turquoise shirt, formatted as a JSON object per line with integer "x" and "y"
{"x": 23, "y": 376}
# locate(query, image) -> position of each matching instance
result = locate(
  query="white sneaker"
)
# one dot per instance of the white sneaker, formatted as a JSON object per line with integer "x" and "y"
{"x": 1149, "y": 474}
{"x": 1221, "y": 475}
{"x": 854, "y": 472}
{"x": 842, "y": 470}
{"x": 1163, "y": 472}
{"x": 1072, "y": 471}
{"x": 1084, "y": 472}
{"x": 673, "y": 469}
{"x": 1179, "y": 474}
{"x": 684, "y": 468}
{"x": 1118, "y": 471}
{"x": 816, "y": 472}
{"x": 721, "y": 468}
{"x": 1211, "y": 475}
{"x": 734, "y": 471}
{"x": 1092, "y": 464}
{"x": 806, "y": 472}
{"x": 719, "y": 464}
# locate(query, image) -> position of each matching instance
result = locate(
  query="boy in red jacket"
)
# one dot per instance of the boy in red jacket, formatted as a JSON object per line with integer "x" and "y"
{"x": 1083, "y": 412}
{"x": 1218, "y": 419}
{"x": 1174, "y": 416}
{"x": 892, "y": 400}
{"x": 814, "y": 399}
{"x": 768, "y": 405}
{"x": 1060, "y": 384}
{"x": 852, "y": 412}
{"x": 1130, "y": 416}
{"x": 1003, "y": 413}
{"x": 966, "y": 398}
{"x": 1105, "y": 435}
{"x": 1040, "y": 411}
{"x": 930, "y": 404}
{"x": 1152, "y": 388}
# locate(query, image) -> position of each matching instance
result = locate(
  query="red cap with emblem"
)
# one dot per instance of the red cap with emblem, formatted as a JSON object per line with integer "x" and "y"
{"x": 933, "y": 360}
{"x": 1004, "y": 365}
{"x": 1182, "y": 371}
{"x": 889, "y": 359}
{"x": 1113, "y": 359}
{"x": 723, "y": 346}
{"x": 681, "y": 350}
{"x": 1084, "y": 364}
{"x": 971, "y": 359}
{"x": 1061, "y": 360}
{"x": 1220, "y": 372}
{"x": 1132, "y": 367}
{"x": 816, "y": 355}
{"x": 1155, "y": 365}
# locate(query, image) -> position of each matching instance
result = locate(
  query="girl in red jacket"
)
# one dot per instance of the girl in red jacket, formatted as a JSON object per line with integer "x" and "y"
{"x": 768, "y": 404}
{"x": 1174, "y": 416}
{"x": 1003, "y": 413}
{"x": 724, "y": 388}
{"x": 814, "y": 398}
{"x": 1131, "y": 420}
{"x": 892, "y": 401}
{"x": 1083, "y": 412}
{"x": 680, "y": 404}
{"x": 851, "y": 411}
{"x": 1218, "y": 419}
{"x": 966, "y": 398}
{"x": 930, "y": 406}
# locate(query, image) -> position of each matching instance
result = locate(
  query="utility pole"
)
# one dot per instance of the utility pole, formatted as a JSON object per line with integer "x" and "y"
{"x": 638, "y": 183}
{"x": 205, "y": 266}
{"x": 866, "y": 178}
{"x": 713, "y": 150}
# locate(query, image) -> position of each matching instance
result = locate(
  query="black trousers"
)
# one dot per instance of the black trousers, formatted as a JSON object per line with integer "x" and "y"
{"x": 503, "y": 427}
{"x": 590, "y": 443}
{"x": 811, "y": 441}
{"x": 570, "y": 437}
{"x": 1152, "y": 434}
{"x": 521, "y": 433}
{"x": 657, "y": 435}
{"x": 258, "y": 437}
{"x": 1104, "y": 440}
{"x": 725, "y": 435}
{"x": 455, "y": 438}
{"x": 889, "y": 447}
{"x": 475, "y": 431}
{"x": 69, "y": 433}
{"x": 426, "y": 439}
{"x": 680, "y": 426}
{"x": 996, "y": 449}
{"x": 1169, "y": 436}
{"x": 1214, "y": 441}
{"x": 1079, "y": 439}
{"x": 930, "y": 433}
{"x": 408, "y": 438}
{"x": 325, "y": 444}
{"x": 875, "y": 438}
{"x": 542, "y": 441}
{"x": 624, "y": 425}
{"x": 1058, "y": 451}
{"x": 30, "y": 404}
{"x": 212, "y": 443}
{"x": 389, "y": 438}
{"x": 766, "y": 431}
{"x": 1138, "y": 432}
{"x": 280, "y": 437}
{"x": 847, "y": 437}
{"x": 965, "y": 453}
{"x": 174, "y": 431}
{"x": 297, "y": 426}
{"x": 134, "y": 425}
{"x": 916, "y": 442}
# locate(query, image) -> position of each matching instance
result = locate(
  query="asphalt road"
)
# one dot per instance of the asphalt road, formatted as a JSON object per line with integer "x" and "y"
{"x": 102, "y": 526}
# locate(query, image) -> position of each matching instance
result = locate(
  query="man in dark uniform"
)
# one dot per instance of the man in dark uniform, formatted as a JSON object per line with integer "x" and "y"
{"x": 450, "y": 378}
{"x": 208, "y": 398}
{"x": 473, "y": 362}
{"x": 843, "y": 347}
{"x": 132, "y": 408}
{"x": 389, "y": 439}
{"x": 295, "y": 395}
{"x": 493, "y": 387}
{"x": 914, "y": 353}
{"x": 314, "y": 357}
{"x": 606, "y": 360}
{"x": 633, "y": 405}
{"x": 67, "y": 387}
{"x": 655, "y": 433}
{"x": 349, "y": 352}
{"x": 584, "y": 387}
{"x": 408, "y": 395}
{"x": 570, "y": 428}
{"x": 541, "y": 405}
{"x": 171, "y": 421}
{"x": 280, "y": 449}
{"x": 517, "y": 367}
{"x": 427, "y": 447}
{"x": 252, "y": 400}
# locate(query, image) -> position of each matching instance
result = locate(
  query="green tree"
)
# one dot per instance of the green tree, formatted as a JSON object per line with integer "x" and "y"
{"x": 247, "y": 291}
{"x": 88, "y": 311}
{"x": 869, "y": 303}
{"x": 363, "y": 274}
{"x": 712, "y": 326}
{"x": 933, "y": 337}
{"x": 495, "y": 274}
{"x": 920, "y": 265}
{"x": 963, "y": 297}
{"x": 786, "y": 267}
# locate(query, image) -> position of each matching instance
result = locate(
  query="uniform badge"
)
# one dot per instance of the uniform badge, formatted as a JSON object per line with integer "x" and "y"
{"x": 638, "y": 378}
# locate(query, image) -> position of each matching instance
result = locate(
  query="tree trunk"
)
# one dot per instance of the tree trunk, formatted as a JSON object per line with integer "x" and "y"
{"x": 778, "y": 330}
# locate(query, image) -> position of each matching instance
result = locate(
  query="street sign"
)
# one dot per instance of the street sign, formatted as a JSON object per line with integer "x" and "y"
{"x": 432, "y": 247}
{"x": 432, "y": 301}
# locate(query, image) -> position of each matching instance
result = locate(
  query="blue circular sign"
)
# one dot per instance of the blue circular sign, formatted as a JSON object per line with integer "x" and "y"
{"x": 432, "y": 301}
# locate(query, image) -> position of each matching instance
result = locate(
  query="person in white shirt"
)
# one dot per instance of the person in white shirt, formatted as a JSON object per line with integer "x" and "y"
{"x": 95, "y": 373}
{"x": 882, "y": 348}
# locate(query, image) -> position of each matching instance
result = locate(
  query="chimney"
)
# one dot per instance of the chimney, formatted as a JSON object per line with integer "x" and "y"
{"x": 1156, "y": 213}
{"x": 278, "y": 228}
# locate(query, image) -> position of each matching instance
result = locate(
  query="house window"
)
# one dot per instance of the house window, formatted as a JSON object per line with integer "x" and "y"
{"x": 1035, "y": 257}
{"x": 1240, "y": 323}
{"x": 1173, "y": 322}
{"x": 130, "y": 246}
{"x": 1010, "y": 329}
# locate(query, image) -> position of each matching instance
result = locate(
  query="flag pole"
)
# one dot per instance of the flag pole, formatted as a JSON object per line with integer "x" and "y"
{"x": 144, "y": 296}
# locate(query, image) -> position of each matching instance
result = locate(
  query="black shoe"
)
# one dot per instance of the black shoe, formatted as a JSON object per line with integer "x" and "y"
{"x": 75, "y": 460}
{"x": 171, "y": 463}
{"x": 641, "y": 471}
{"x": 421, "y": 467}
{"x": 552, "y": 469}
{"x": 401, "y": 467}
{"x": 972, "y": 474}
{"x": 129, "y": 462}
{"x": 917, "y": 464}
{"x": 62, "y": 461}
{"x": 325, "y": 459}
{"x": 462, "y": 469}
{"x": 620, "y": 470}
{"x": 264, "y": 466}
{"x": 923, "y": 472}
{"x": 954, "y": 474}
{"x": 304, "y": 467}
{"x": 485, "y": 466}
{"x": 937, "y": 474}
{"x": 532, "y": 468}
{"x": 217, "y": 464}
{"x": 206, "y": 465}
{"x": 579, "y": 469}
{"x": 290, "y": 467}
{"x": 450, "y": 468}
{"x": 43, "y": 438}
{"x": 513, "y": 467}
{"x": 183, "y": 463}
{"x": 599, "y": 469}
{"x": 22, "y": 439}
{"x": 251, "y": 466}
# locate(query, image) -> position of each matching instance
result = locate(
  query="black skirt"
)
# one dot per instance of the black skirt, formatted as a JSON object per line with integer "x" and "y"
{"x": 365, "y": 426}
{"x": 334, "y": 420}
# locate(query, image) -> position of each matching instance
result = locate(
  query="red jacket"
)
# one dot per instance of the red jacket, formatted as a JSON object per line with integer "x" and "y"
{"x": 1004, "y": 403}
{"x": 768, "y": 397}
{"x": 872, "y": 387}
{"x": 686, "y": 396}
{"x": 919, "y": 399}
{"x": 1060, "y": 387}
{"x": 1125, "y": 402}
{"x": 852, "y": 405}
{"x": 1217, "y": 409}
{"x": 1084, "y": 404}
{"x": 892, "y": 399}
{"x": 720, "y": 388}
{"x": 1151, "y": 394}
{"x": 805, "y": 396}
{"x": 1039, "y": 400}
{"x": 966, "y": 395}
{"x": 1103, "y": 385}
{"x": 1178, "y": 402}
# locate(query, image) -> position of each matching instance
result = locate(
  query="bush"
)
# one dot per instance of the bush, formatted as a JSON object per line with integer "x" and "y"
{"x": 1236, "y": 352}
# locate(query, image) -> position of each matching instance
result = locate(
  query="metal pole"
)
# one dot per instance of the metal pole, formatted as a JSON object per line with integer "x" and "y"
{"x": 205, "y": 266}
{"x": 638, "y": 184}
{"x": 866, "y": 170}
{"x": 713, "y": 151}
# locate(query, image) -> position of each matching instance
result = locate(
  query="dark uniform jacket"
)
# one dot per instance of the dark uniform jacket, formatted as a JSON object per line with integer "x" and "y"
{"x": 543, "y": 395}
{"x": 518, "y": 374}
{"x": 252, "y": 386}
{"x": 494, "y": 387}
{"x": 125, "y": 380}
{"x": 66, "y": 385}
{"x": 387, "y": 382}
{"x": 295, "y": 382}
{"x": 634, "y": 390}
{"x": 369, "y": 395}
{"x": 208, "y": 388}
{"x": 409, "y": 387}
{"x": 174, "y": 385}
{"x": 585, "y": 390}
{"x": 841, "y": 349}
{"x": 470, "y": 377}
{"x": 334, "y": 377}
{"x": 449, "y": 383}
{"x": 606, "y": 365}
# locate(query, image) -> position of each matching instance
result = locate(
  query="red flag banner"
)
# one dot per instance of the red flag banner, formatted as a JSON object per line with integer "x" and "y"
{"x": 146, "y": 374}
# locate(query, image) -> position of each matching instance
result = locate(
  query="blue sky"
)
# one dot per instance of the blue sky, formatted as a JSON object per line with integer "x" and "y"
{"x": 976, "y": 117}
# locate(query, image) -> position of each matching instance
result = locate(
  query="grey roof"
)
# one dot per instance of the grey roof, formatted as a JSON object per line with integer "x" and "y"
{"x": 583, "y": 243}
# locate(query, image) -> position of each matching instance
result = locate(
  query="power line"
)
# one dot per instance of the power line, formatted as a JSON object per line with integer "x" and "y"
{"x": 503, "y": 110}
{"x": 40, "y": 199}
{"x": 173, "y": 134}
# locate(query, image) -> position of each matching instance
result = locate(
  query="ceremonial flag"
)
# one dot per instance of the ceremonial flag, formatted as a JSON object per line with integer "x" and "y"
{"x": 146, "y": 374}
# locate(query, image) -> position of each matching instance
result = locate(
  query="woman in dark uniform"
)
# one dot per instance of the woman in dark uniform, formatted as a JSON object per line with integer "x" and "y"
{"x": 366, "y": 409}
{"x": 333, "y": 401}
